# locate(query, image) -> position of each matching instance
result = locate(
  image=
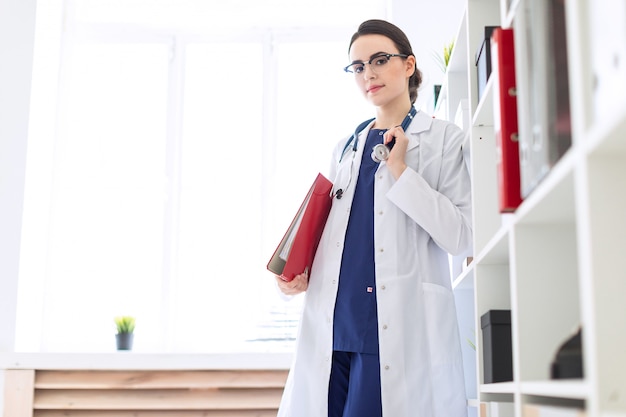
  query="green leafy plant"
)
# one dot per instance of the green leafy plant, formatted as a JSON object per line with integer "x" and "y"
{"x": 444, "y": 60}
{"x": 125, "y": 324}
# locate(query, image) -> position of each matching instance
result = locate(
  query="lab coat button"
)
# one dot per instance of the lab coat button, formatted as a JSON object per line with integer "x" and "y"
{"x": 386, "y": 367}
{"x": 384, "y": 327}
{"x": 381, "y": 250}
{"x": 380, "y": 213}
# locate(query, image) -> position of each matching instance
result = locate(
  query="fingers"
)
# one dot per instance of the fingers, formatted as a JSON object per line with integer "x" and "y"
{"x": 395, "y": 162}
{"x": 297, "y": 285}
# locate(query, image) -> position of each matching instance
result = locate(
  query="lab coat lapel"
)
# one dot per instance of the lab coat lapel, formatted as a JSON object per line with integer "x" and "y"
{"x": 421, "y": 123}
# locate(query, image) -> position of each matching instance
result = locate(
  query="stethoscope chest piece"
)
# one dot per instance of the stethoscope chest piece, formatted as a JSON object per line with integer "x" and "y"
{"x": 380, "y": 153}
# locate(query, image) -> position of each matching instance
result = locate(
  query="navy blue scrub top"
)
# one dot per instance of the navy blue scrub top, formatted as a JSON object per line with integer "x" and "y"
{"x": 356, "y": 320}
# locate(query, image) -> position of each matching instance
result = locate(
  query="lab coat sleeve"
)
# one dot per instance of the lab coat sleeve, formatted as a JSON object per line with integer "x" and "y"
{"x": 334, "y": 162}
{"x": 443, "y": 210}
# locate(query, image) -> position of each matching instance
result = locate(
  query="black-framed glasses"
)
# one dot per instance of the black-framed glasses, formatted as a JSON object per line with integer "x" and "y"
{"x": 377, "y": 64}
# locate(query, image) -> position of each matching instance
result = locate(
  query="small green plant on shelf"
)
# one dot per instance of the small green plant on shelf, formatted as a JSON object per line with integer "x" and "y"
{"x": 125, "y": 324}
{"x": 444, "y": 60}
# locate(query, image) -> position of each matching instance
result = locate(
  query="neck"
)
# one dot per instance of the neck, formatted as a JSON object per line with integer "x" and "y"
{"x": 390, "y": 116}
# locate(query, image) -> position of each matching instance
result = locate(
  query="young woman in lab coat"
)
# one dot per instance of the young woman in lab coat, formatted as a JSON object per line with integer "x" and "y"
{"x": 378, "y": 335}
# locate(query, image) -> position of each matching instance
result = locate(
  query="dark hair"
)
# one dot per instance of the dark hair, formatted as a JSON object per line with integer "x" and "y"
{"x": 397, "y": 36}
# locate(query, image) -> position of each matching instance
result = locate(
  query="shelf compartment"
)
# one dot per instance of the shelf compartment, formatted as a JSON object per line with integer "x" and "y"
{"x": 544, "y": 271}
{"x": 487, "y": 220}
{"x": 480, "y": 14}
{"x": 609, "y": 138}
{"x": 455, "y": 87}
{"x": 492, "y": 292}
{"x": 464, "y": 301}
{"x": 484, "y": 111}
{"x": 603, "y": 181}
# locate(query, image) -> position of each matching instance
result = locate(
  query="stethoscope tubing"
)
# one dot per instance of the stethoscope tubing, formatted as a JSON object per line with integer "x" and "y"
{"x": 354, "y": 140}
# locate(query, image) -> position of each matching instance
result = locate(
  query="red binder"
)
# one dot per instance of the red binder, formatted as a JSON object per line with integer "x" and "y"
{"x": 505, "y": 119}
{"x": 295, "y": 252}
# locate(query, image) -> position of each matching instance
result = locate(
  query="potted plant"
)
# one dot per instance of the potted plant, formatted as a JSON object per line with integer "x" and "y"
{"x": 444, "y": 60}
{"x": 125, "y": 328}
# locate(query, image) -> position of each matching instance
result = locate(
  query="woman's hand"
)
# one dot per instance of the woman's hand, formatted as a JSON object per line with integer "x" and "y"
{"x": 395, "y": 162}
{"x": 297, "y": 285}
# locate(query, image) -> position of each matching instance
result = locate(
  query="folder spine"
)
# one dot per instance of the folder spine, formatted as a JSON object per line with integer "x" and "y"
{"x": 505, "y": 119}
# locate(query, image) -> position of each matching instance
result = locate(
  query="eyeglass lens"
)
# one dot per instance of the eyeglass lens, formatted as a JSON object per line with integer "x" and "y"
{"x": 377, "y": 64}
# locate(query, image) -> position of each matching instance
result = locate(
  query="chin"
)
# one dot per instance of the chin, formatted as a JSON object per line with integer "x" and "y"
{"x": 376, "y": 100}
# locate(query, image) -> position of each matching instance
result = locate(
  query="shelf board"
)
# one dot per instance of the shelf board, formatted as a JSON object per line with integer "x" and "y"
{"x": 484, "y": 111}
{"x": 465, "y": 280}
{"x": 496, "y": 251}
{"x": 458, "y": 58}
{"x": 498, "y": 388}
{"x": 553, "y": 199}
{"x": 570, "y": 389}
{"x": 473, "y": 402}
{"x": 509, "y": 14}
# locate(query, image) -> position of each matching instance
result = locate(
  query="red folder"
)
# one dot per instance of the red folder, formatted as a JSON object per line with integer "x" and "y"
{"x": 295, "y": 252}
{"x": 505, "y": 119}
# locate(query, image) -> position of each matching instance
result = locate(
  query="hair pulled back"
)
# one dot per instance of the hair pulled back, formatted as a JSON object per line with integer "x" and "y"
{"x": 398, "y": 37}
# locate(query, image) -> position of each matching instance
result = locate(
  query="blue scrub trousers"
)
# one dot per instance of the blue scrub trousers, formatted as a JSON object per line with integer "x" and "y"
{"x": 354, "y": 389}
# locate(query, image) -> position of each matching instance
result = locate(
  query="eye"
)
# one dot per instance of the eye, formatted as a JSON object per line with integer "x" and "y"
{"x": 381, "y": 60}
{"x": 358, "y": 68}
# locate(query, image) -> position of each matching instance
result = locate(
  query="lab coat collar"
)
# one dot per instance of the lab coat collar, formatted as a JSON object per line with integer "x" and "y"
{"x": 421, "y": 122}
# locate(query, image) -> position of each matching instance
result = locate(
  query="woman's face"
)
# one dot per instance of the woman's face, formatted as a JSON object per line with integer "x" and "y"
{"x": 381, "y": 85}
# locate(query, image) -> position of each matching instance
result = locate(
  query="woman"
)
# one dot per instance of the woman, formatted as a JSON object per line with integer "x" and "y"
{"x": 378, "y": 335}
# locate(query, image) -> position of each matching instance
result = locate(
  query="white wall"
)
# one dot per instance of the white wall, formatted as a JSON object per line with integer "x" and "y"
{"x": 17, "y": 33}
{"x": 429, "y": 25}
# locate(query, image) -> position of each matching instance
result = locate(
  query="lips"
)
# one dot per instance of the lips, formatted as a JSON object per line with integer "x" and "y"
{"x": 374, "y": 88}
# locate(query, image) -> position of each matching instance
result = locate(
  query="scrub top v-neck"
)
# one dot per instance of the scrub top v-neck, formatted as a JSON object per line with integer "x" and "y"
{"x": 355, "y": 326}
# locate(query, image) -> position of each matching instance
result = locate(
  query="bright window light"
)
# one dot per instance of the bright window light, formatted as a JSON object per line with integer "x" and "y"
{"x": 169, "y": 150}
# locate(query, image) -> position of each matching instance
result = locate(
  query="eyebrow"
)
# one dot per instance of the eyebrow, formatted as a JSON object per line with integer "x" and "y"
{"x": 375, "y": 54}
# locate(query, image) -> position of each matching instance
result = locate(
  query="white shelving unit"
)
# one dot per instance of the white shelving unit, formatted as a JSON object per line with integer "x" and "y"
{"x": 557, "y": 262}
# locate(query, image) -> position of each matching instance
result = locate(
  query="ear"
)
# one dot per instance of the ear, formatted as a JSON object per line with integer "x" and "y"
{"x": 410, "y": 66}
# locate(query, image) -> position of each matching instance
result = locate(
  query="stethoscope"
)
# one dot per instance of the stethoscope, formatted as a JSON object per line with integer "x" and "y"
{"x": 380, "y": 152}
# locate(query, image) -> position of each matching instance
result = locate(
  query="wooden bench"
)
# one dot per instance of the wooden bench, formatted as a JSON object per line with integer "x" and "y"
{"x": 143, "y": 393}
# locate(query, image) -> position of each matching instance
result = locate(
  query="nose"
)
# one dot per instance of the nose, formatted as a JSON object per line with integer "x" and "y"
{"x": 368, "y": 71}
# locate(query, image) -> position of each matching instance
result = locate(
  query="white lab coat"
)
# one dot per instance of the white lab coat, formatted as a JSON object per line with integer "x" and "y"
{"x": 418, "y": 220}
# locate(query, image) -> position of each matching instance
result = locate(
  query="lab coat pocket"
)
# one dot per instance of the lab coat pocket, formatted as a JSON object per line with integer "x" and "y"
{"x": 440, "y": 317}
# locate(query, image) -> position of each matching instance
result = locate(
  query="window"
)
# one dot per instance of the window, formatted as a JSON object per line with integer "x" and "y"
{"x": 166, "y": 158}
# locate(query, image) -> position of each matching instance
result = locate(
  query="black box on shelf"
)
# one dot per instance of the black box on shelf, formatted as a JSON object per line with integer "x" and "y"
{"x": 497, "y": 346}
{"x": 568, "y": 361}
{"x": 483, "y": 60}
